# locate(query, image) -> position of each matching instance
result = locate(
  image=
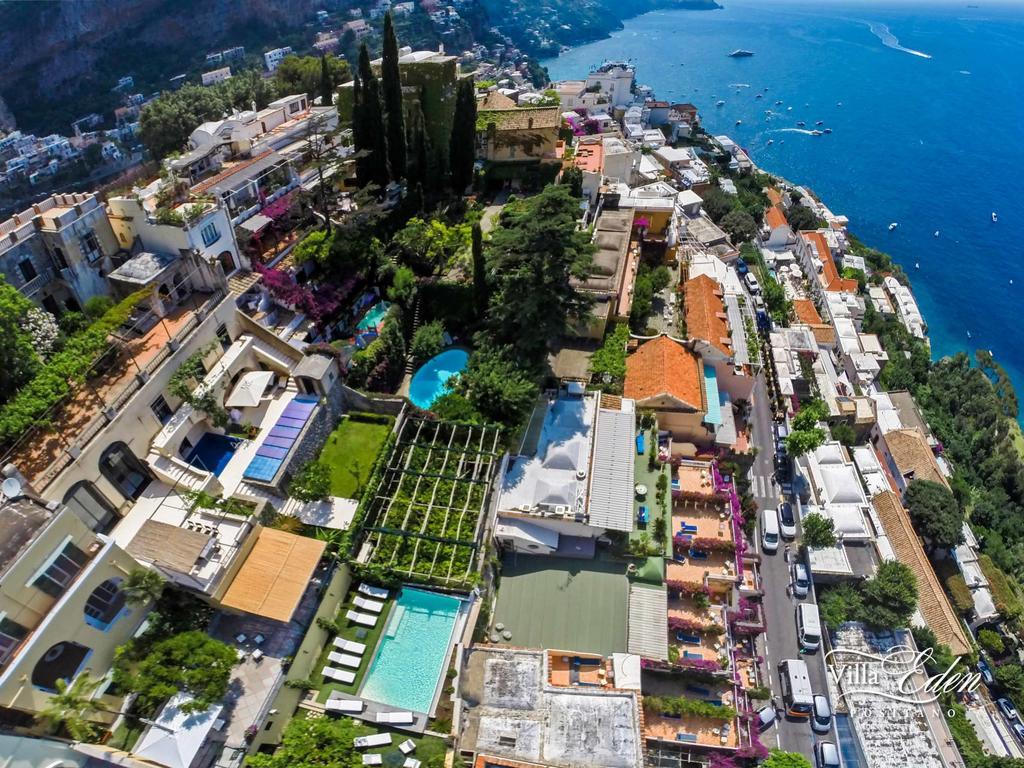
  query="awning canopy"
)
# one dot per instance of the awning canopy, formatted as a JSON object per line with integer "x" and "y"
{"x": 175, "y": 737}
{"x": 256, "y": 224}
{"x": 249, "y": 389}
{"x": 274, "y": 576}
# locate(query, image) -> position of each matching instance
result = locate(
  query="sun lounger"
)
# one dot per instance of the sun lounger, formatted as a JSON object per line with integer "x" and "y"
{"x": 339, "y": 675}
{"x": 586, "y": 661}
{"x": 365, "y": 604}
{"x": 366, "y": 619}
{"x": 395, "y": 718}
{"x": 349, "y": 646}
{"x": 344, "y": 659}
{"x": 344, "y": 705}
{"x": 698, "y": 555}
{"x": 371, "y": 591}
{"x": 407, "y": 747}
{"x": 373, "y": 740}
{"x": 682, "y": 637}
{"x": 687, "y": 737}
{"x": 689, "y": 655}
{"x": 411, "y": 762}
{"x": 374, "y": 759}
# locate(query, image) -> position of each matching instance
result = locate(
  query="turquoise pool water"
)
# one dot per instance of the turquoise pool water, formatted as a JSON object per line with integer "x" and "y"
{"x": 413, "y": 651}
{"x": 374, "y": 317}
{"x": 429, "y": 382}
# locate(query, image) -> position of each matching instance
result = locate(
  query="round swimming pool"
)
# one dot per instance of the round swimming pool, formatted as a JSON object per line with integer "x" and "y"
{"x": 428, "y": 383}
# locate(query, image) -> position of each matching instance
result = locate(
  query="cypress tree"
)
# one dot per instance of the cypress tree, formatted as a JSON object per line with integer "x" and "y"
{"x": 479, "y": 271}
{"x": 357, "y": 126}
{"x": 372, "y": 160}
{"x": 462, "y": 150}
{"x": 416, "y": 167}
{"x": 326, "y": 87}
{"x": 391, "y": 85}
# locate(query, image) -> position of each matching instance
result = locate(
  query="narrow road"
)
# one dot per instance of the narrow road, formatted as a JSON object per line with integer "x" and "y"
{"x": 780, "y": 640}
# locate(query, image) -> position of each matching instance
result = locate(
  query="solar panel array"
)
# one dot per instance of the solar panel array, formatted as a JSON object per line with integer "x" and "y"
{"x": 279, "y": 441}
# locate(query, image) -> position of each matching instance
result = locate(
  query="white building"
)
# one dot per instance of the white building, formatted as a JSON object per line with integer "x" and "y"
{"x": 615, "y": 81}
{"x": 215, "y": 76}
{"x": 273, "y": 58}
{"x": 906, "y": 307}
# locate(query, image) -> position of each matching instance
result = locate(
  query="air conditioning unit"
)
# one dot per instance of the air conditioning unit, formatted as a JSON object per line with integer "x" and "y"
{"x": 561, "y": 509}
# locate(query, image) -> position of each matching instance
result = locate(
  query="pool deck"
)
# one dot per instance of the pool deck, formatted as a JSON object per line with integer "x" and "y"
{"x": 372, "y": 708}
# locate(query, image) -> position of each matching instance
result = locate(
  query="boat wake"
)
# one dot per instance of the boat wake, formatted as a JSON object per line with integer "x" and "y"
{"x": 889, "y": 40}
{"x": 804, "y": 131}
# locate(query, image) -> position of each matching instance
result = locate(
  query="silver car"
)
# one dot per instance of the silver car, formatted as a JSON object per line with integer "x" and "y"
{"x": 801, "y": 581}
{"x": 826, "y": 755}
{"x": 821, "y": 714}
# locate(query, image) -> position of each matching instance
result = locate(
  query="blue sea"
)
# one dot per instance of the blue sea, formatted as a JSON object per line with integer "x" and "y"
{"x": 926, "y": 104}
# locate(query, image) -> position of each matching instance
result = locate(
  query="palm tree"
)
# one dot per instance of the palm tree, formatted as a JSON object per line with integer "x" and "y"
{"x": 72, "y": 706}
{"x": 142, "y": 586}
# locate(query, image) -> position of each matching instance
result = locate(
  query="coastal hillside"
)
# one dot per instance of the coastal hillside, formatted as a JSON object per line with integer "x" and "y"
{"x": 64, "y": 58}
{"x": 542, "y": 27}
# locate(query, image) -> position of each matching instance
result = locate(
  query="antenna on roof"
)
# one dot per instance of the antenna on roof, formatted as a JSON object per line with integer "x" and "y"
{"x": 11, "y": 488}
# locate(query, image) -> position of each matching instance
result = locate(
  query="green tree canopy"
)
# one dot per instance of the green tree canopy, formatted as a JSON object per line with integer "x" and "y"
{"x": 430, "y": 247}
{"x": 779, "y": 759}
{"x": 801, "y": 441}
{"x": 73, "y": 707}
{"x": 18, "y": 359}
{"x": 739, "y": 225}
{"x": 810, "y": 414}
{"x": 840, "y": 604}
{"x": 391, "y": 90}
{"x": 462, "y": 150}
{"x": 192, "y": 662}
{"x": 368, "y": 126}
{"x": 322, "y": 742}
{"x": 306, "y": 74}
{"x": 142, "y": 586}
{"x": 496, "y": 387}
{"x": 992, "y": 642}
{"x": 531, "y": 258}
{"x": 427, "y": 341}
{"x": 817, "y": 530}
{"x": 802, "y": 217}
{"x": 935, "y": 512}
{"x": 890, "y": 596}
{"x": 312, "y": 482}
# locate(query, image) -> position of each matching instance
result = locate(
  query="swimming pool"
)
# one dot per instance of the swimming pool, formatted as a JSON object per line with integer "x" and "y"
{"x": 413, "y": 651}
{"x": 374, "y": 317}
{"x": 429, "y": 382}
{"x": 213, "y": 452}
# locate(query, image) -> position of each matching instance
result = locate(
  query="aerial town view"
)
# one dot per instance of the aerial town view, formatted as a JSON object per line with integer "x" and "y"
{"x": 521, "y": 384}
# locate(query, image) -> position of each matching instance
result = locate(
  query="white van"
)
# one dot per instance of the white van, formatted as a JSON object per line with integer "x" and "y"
{"x": 752, "y": 285}
{"x": 808, "y": 626}
{"x": 770, "y": 531}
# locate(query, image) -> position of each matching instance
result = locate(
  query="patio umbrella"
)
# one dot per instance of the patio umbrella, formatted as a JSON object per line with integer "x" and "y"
{"x": 249, "y": 390}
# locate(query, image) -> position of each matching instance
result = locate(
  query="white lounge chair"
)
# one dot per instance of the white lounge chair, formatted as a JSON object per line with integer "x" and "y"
{"x": 373, "y": 740}
{"x": 407, "y": 747}
{"x": 344, "y": 659}
{"x": 338, "y": 675}
{"x": 365, "y": 604}
{"x": 395, "y": 718}
{"x": 411, "y": 762}
{"x": 349, "y": 646}
{"x": 373, "y": 759}
{"x": 344, "y": 705}
{"x": 371, "y": 591}
{"x": 366, "y": 619}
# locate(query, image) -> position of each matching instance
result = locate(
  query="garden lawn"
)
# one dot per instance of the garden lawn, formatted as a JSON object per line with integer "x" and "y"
{"x": 350, "y": 632}
{"x": 350, "y": 452}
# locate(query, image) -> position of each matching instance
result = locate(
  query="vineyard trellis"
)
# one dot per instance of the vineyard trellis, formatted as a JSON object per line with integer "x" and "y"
{"x": 425, "y": 518}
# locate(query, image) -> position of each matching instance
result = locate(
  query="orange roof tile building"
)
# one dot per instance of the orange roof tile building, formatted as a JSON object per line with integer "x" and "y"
{"x": 828, "y": 276}
{"x": 667, "y": 377}
{"x": 706, "y": 319}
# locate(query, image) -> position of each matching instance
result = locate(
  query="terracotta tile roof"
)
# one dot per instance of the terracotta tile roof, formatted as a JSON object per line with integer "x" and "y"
{"x": 932, "y": 601}
{"x": 213, "y": 181}
{"x": 806, "y": 312}
{"x": 913, "y": 456}
{"x": 830, "y": 274}
{"x": 495, "y": 100}
{"x": 662, "y": 366}
{"x": 824, "y": 334}
{"x": 705, "y": 313}
{"x": 774, "y": 217}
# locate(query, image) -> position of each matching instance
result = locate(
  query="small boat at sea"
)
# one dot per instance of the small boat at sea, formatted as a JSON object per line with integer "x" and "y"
{"x": 720, "y": 103}
{"x": 936, "y": 233}
{"x": 789, "y": 109}
{"x": 815, "y": 133}
{"x": 819, "y": 122}
{"x": 827, "y": 130}
{"x": 757, "y": 96}
{"x": 800, "y": 123}
{"x": 770, "y": 142}
{"x": 995, "y": 216}
{"x": 893, "y": 225}
{"x": 839, "y": 103}
{"x": 739, "y": 122}
{"x": 778, "y": 103}
{"x": 741, "y": 53}
{"x": 917, "y": 265}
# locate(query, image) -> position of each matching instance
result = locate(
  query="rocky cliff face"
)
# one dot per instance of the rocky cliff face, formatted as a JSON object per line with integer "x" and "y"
{"x": 52, "y": 49}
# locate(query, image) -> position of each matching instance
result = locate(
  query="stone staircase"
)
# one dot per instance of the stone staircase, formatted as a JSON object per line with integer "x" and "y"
{"x": 417, "y": 320}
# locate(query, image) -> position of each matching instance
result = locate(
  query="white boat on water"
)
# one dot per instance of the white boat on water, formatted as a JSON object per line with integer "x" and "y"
{"x": 720, "y": 103}
{"x": 770, "y": 142}
{"x": 936, "y": 233}
{"x": 739, "y": 122}
{"x": 995, "y": 216}
{"x": 893, "y": 225}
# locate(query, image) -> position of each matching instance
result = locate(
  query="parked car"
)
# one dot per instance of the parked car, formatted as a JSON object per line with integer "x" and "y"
{"x": 787, "y": 521}
{"x": 821, "y": 714}
{"x": 766, "y": 717}
{"x": 1018, "y": 731}
{"x": 752, "y": 285}
{"x": 769, "y": 531}
{"x": 741, "y": 267}
{"x": 1007, "y": 708}
{"x": 801, "y": 581}
{"x": 826, "y": 755}
{"x": 986, "y": 672}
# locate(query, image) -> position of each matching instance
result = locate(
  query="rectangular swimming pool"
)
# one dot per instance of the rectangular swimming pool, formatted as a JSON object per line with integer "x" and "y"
{"x": 213, "y": 452}
{"x": 413, "y": 652}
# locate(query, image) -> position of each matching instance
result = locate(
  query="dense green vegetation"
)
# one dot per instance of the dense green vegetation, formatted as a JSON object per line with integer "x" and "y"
{"x": 885, "y": 601}
{"x": 935, "y": 513}
{"x": 18, "y": 358}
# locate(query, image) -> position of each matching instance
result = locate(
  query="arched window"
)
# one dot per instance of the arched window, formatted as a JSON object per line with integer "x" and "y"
{"x": 91, "y": 506}
{"x": 227, "y": 262}
{"x": 61, "y": 662}
{"x": 122, "y": 468}
{"x": 104, "y": 605}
